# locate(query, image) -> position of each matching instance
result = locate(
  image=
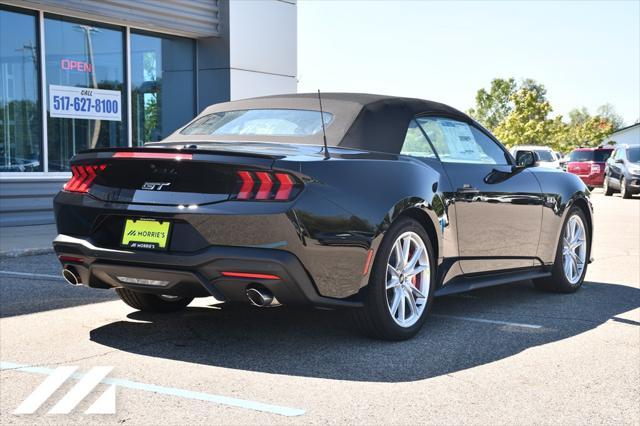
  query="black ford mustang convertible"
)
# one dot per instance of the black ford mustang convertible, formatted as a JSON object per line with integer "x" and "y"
{"x": 407, "y": 200}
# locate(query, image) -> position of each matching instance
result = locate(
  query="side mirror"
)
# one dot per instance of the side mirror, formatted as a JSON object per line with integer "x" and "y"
{"x": 619, "y": 160}
{"x": 526, "y": 159}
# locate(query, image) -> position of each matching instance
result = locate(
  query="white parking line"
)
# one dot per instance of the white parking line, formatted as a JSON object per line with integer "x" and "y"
{"x": 513, "y": 324}
{"x": 182, "y": 393}
{"x": 29, "y": 274}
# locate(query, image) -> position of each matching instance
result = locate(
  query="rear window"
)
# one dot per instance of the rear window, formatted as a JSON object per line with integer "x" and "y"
{"x": 597, "y": 155}
{"x": 259, "y": 122}
{"x": 545, "y": 155}
{"x": 633, "y": 155}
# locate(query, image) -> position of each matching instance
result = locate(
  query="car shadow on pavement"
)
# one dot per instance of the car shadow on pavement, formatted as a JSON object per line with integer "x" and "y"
{"x": 317, "y": 343}
{"x": 32, "y": 284}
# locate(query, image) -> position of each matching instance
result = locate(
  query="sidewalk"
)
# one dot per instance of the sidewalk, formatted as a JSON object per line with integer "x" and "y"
{"x": 26, "y": 240}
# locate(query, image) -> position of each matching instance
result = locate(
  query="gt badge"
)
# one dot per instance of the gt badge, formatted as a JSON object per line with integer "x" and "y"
{"x": 154, "y": 186}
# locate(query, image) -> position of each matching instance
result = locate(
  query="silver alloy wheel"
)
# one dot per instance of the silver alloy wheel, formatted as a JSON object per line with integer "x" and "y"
{"x": 574, "y": 249}
{"x": 408, "y": 279}
{"x": 623, "y": 187}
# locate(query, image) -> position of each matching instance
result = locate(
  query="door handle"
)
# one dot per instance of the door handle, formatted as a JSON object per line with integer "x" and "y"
{"x": 468, "y": 189}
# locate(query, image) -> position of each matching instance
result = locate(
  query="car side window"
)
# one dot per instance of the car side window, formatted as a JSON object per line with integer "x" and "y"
{"x": 416, "y": 144}
{"x": 621, "y": 153}
{"x": 458, "y": 142}
{"x": 617, "y": 154}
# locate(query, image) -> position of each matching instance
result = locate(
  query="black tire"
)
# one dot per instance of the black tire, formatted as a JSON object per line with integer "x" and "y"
{"x": 624, "y": 191}
{"x": 150, "y": 302}
{"x": 606, "y": 188}
{"x": 558, "y": 282}
{"x": 374, "y": 319}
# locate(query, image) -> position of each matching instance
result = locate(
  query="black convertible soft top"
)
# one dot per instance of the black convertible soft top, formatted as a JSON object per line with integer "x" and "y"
{"x": 361, "y": 121}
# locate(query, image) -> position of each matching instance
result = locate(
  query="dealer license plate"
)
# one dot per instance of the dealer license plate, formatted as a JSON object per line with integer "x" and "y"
{"x": 146, "y": 234}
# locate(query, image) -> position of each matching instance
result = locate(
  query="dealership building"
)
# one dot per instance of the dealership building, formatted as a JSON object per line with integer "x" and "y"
{"x": 629, "y": 135}
{"x": 80, "y": 74}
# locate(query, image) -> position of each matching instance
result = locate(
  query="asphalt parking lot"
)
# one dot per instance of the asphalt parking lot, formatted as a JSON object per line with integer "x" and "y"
{"x": 504, "y": 355}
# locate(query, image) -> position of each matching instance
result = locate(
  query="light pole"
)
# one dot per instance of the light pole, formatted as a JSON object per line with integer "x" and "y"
{"x": 25, "y": 110}
{"x": 87, "y": 29}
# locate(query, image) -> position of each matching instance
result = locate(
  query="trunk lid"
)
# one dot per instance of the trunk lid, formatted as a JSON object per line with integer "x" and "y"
{"x": 188, "y": 174}
{"x": 163, "y": 182}
{"x": 166, "y": 176}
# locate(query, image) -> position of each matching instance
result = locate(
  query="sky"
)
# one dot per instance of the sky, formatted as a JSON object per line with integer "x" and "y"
{"x": 586, "y": 53}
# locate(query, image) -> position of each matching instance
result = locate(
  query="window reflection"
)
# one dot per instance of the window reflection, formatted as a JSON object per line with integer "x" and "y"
{"x": 20, "y": 131}
{"x": 415, "y": 143}
{"x": 162, "y": 85}
{"x": 88, "y": 56}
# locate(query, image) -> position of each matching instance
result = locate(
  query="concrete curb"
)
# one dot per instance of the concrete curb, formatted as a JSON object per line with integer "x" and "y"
{"x": 26, "y": 252}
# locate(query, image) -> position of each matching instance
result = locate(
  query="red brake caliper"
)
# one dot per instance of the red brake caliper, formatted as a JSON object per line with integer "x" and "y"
{"x": 414, "y": 279}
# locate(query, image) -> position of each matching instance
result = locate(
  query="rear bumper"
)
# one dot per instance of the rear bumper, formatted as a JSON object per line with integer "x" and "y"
{"x": 596, "y": 179}
{"x": 334, "y": 260}
{"x": 194, "y": 275}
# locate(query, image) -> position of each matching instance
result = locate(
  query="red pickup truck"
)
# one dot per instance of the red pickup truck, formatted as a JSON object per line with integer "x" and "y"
{"x": 588, "y": 164}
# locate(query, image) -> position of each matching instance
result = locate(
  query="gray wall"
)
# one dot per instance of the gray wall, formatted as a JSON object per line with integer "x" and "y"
{"x": 191, "y": 18}
{"x": 213, "y": 64}
{"x": 27, "y": 202}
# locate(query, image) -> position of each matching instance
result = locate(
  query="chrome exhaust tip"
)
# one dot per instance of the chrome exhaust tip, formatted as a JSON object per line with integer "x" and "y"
{"x": 261, "y": 297}
{"x": 71, "y": 277}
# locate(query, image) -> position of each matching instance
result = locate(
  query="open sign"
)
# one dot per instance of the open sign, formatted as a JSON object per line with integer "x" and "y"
{"x": 71, "y": 65}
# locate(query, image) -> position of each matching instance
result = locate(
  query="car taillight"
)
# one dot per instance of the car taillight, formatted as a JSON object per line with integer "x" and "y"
{"x": 595, "y": 168}
{"x": 82, "y": 177}
{"x": 266, "y": 186}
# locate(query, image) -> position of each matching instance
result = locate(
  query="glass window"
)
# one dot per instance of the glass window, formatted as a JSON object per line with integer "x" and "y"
{"x": 83, "y": 56}
{"x": 162, "y": 85}
{"x": 602, "y": 155}
{"x": 259, "y": 122}
{"x": 617, "y": 154}
{"x": 457, "y": 142}
{"x": 633, "y": 154}
{"x": 597, "y": 155}
{"x": 581, "y": 156}
{"x": 415, "y": 143}
{"x": 20, "y": 118}
{"x": 544, "y": 155}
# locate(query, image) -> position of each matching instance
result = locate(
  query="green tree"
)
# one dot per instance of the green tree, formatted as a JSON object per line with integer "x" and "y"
{"x": 529, "y": 122}
{"x": 585, "y": 129}
{"x": 494, "y": 105}
{"x": 151, "y": 115}
{"x": 608, "y": 112}
{"x": 520, "y": 114}
{"x": 589, "y": 131}
{"x": 523, "y": 116}
{"x": 578, "y": 116}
